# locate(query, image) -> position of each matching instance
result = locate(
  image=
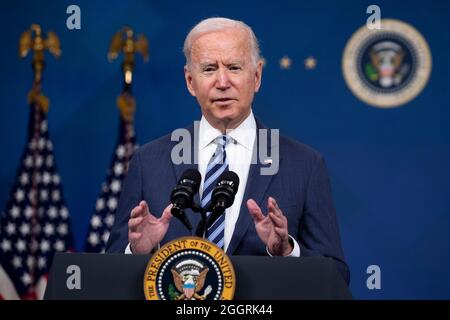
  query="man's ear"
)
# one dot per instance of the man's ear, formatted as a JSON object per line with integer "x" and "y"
{"x": 258, "y": 75}
{"x": 188, "y": 78}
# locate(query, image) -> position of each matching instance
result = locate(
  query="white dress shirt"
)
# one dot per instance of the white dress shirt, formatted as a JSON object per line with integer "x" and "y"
{"x": 239, "y": 155}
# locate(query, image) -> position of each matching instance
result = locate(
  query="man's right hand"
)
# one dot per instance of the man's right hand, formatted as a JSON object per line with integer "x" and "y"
{"x": 145, "y": 231}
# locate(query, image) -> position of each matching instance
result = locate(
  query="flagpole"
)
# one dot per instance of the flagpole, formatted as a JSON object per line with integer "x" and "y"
{"x": 123, "y": 42}
{"x": 32, "y": 40}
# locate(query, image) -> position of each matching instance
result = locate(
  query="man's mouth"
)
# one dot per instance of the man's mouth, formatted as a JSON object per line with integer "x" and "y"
{"x": 223, "y": 101}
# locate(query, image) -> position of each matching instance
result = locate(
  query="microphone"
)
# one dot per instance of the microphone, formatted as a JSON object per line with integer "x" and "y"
{"x": 222, "y": 196}
{"x": 182, "y": 195}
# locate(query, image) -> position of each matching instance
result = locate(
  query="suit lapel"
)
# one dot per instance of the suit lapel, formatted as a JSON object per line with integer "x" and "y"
{"x": 255, "y": 189}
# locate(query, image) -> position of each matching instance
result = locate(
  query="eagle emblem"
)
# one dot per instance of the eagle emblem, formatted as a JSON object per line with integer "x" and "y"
{"x": 387, "y": 67}
{"x": 189, "y": 277}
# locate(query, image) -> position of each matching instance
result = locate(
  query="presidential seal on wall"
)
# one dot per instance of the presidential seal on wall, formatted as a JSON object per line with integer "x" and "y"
{"x": 189, "y": 268}
{"x": 387, "y": 67}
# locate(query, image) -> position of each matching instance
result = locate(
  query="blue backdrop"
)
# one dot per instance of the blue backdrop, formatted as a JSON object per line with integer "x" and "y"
{"x": 389, "y": 168}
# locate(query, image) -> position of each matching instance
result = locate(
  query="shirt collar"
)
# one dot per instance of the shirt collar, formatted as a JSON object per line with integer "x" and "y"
{"x": 244, "y": 134}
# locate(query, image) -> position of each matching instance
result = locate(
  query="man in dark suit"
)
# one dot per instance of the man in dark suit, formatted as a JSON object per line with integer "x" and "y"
{"x": 223, "y": 71}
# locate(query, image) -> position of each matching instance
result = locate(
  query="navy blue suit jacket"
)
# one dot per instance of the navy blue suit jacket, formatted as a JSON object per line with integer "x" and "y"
{"x": 301, "y": 188}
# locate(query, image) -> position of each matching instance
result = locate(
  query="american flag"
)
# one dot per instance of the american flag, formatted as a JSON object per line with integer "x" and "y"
{"x": 102, "y": 219}
{"x": 35, "y": 223}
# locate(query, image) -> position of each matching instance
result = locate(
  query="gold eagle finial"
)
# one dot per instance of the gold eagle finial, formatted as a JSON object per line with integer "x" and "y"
{"x": 38, "y": 45}
{"x": 125, "y": 42}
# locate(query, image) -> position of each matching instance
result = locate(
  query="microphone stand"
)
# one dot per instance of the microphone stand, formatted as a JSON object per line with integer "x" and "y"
{"x": 206, "y": 222}
{"x": 201, "y": 228}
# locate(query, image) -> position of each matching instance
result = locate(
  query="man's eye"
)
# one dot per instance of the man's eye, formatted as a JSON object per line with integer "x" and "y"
{"x": 208, "y": 69}
{"x": 235, "y": 68}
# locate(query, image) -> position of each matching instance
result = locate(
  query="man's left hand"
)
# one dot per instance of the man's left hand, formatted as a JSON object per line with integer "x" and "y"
{"x": 271, "y": 228}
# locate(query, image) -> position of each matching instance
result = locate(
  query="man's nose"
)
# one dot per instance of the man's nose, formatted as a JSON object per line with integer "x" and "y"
{"x": 223, "y": 81}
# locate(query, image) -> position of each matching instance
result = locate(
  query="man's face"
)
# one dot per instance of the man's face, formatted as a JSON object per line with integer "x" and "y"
{"x": 222, "y": 76}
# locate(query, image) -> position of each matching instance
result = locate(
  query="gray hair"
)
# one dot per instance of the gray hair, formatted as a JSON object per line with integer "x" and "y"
{"x": 217, "y": 24}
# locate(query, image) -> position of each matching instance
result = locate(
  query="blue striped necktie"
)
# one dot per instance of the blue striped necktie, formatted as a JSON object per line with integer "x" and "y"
{"x": 216, "y": 166}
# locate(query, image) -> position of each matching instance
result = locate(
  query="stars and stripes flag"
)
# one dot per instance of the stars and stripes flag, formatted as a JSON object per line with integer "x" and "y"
{"x": 35, "y": 223}
{"x": 102, "y": 219}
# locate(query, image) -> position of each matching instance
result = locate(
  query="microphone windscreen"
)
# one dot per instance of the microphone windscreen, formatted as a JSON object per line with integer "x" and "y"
{"x": 232, "y": 177}
{"x": 193, "y": 175}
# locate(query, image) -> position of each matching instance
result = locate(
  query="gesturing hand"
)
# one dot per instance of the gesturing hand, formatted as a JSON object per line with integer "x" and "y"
{"x": 145, "y": 231}
{"x": 272, "y": 228}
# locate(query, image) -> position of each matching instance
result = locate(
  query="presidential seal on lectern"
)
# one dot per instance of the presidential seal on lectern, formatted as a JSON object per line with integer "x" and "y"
{"x": 189, "y": 268}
